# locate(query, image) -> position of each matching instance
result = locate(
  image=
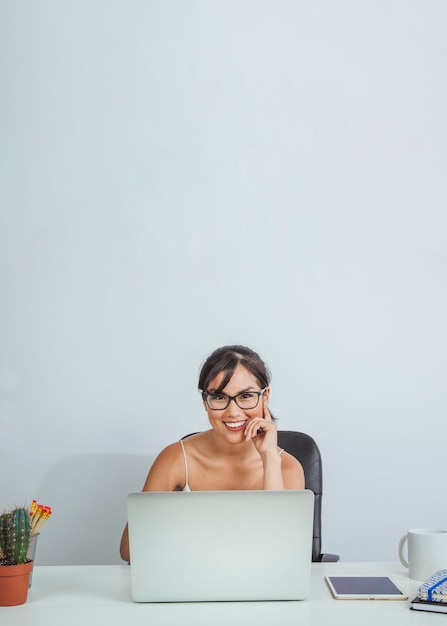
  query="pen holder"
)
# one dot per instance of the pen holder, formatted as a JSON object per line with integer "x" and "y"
{"x": 32, "y": 554}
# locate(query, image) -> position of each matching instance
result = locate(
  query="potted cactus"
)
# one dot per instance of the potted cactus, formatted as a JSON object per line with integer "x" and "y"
{"x": 15, "y": 567}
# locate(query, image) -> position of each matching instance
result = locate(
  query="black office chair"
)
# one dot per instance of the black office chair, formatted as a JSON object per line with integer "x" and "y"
{"x": 304, "y": 448}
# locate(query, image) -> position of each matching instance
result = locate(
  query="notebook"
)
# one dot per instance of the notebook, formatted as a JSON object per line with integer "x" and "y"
{"x": 220, "y": 545}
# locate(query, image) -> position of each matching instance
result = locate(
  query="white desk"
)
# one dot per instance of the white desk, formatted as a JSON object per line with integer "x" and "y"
{"x": 95, "y": 595}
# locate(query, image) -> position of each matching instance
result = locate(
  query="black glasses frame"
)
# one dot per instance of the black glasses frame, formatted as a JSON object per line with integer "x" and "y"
{"x": 205, "y": 395}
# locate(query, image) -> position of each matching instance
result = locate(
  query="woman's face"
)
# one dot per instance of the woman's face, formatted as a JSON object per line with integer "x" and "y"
{"x": 232, "y": 420}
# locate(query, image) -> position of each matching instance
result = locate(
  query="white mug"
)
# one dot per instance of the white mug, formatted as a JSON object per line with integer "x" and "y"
{"x": 427, "y": 552}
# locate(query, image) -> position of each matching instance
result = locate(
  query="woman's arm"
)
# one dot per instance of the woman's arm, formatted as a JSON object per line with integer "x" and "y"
{"x": 281, "y": 470}
{"x": 124, "y": 545}
{"x": 166, "y": 473}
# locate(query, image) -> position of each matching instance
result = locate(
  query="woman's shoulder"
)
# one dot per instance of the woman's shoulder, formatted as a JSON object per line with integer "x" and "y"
{"x": 289, "y": 460}
{"x": 169, "y": 453}
{"x": 169, "y": 466}
{"x": 166, "y": 470}
{"x": 292, "y": 470}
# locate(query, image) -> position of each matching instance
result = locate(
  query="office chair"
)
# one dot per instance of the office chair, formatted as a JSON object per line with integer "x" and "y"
{"x": 304, "y": 448}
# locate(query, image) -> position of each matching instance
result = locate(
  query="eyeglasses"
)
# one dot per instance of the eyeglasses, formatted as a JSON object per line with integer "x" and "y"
{"x": 244, "y": 400}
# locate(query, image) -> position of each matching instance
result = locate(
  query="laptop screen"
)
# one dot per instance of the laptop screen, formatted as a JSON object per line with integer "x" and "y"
{"x": 220, "y": 545}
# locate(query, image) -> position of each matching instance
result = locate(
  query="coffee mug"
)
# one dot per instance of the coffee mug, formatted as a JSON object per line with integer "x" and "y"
{"x": 427, "y": 552}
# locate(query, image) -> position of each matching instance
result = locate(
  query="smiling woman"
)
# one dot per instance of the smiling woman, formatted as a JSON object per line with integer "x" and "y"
{"x": 240, "y": 451}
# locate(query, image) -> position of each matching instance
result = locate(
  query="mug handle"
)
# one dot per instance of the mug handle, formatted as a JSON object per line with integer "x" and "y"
{"x": 401, "y": 549}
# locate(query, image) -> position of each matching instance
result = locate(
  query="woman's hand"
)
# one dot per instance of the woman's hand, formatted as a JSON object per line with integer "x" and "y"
{"x": 263, "y": 433}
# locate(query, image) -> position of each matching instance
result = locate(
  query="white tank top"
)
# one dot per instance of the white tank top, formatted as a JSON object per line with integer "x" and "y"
{"x": 186, "y": 487}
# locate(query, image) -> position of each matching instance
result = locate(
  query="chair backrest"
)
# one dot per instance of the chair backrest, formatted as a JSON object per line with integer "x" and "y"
{"x": 305, "y": 449}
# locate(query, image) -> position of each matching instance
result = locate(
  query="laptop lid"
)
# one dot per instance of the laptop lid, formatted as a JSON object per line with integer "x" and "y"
{"x": 220, "y": 545}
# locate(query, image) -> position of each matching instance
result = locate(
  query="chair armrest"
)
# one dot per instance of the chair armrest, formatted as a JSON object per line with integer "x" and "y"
{"x": 329, "y": 558}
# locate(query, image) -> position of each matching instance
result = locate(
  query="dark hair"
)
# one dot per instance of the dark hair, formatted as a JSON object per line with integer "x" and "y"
{"x": 226, "y": 359}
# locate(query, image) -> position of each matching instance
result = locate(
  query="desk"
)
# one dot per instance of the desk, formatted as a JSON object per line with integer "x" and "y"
{"x": 94, "y": 595}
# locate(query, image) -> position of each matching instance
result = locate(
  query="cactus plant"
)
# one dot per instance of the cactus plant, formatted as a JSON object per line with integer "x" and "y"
{"x": 15, "y": 533}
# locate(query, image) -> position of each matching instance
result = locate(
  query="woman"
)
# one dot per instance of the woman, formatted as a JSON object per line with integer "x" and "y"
{"x": 240, "y": 451}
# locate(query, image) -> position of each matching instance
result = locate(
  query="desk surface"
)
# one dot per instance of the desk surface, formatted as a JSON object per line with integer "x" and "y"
{"x": 87, "y": 595}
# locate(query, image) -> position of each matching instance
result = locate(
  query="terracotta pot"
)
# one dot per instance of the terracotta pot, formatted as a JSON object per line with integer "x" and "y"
{"x": 14, "y": 580}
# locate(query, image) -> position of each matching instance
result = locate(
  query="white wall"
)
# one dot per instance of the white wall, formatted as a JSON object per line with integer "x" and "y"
{"x": 179, "y": 175}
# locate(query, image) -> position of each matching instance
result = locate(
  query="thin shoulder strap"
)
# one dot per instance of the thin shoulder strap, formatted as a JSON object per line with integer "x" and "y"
{"x": 186, "y": 465}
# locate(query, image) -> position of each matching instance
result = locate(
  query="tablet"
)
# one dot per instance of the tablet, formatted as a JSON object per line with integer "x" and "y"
{"x": 365, "y": 588}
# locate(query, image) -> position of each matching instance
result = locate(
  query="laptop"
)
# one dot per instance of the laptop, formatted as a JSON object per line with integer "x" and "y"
{"x": 207, "y": 546}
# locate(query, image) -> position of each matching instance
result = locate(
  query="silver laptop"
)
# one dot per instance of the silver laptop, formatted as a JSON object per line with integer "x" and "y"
{"x": 220, "y": 545}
